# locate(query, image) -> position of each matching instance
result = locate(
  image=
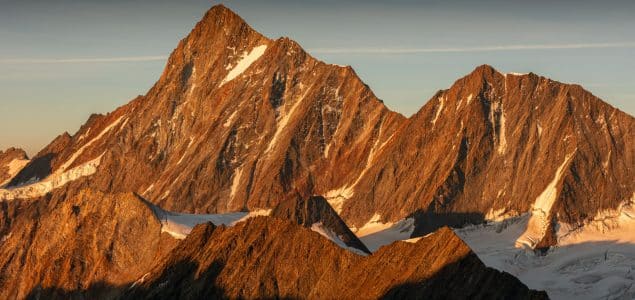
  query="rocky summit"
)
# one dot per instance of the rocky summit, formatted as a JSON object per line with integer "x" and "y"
{"x": 240, "y": 125}
{"x": 314, "y": 212}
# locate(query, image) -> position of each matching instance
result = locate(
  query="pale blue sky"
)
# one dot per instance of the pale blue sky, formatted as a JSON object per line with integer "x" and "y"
{"x": 62, "y": 60}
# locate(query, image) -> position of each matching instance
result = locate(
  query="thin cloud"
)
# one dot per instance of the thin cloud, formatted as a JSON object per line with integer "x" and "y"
{"x": 367, "y": 50}
{"x": 470, "y": 49}
{"x": 83, "y": 60}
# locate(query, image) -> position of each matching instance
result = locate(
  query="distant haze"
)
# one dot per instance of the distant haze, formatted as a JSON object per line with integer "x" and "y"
{"x": 62, "y": 60}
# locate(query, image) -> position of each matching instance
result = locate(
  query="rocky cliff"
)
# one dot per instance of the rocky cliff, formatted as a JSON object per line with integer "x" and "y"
{"x": 315, "y": 212}
{"x": 238, "y": 121}
{"x": 77, "y": 246}
{"x": 12, "y": 161}
{"x": 272, "y": 258}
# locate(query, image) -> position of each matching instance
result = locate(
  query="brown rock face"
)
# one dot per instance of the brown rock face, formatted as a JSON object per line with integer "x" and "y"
{"x": 493, "y": 144}
{"x": 82, "y": 245}
{"x": 43, "y": 164}
{"x": 315, "y": 210}
{"x": 210, "y": 138}
{"x": 12, "y": 161}
{"x": 239, "y": 121}
{"x": 273, "y": 258}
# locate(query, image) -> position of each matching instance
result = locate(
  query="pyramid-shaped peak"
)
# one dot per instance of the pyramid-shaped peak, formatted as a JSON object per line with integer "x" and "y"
{"x": 305, "y": 210}
{"x": 485, "y": 69}
{"x": 315, "y": 210}
{"x": 220, "y": 10}
{"x": 220, "y": 20}
{"x": 484, "y": 73}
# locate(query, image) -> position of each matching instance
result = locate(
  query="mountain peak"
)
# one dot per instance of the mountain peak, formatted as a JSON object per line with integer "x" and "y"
{"x": 220, "y": 14}
{"x": 485, "y": 69}
{"x": 483, "y": 73}
{"x": 315, "y": 210}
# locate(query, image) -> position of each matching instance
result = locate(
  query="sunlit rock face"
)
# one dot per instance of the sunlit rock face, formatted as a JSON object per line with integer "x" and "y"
{"x": 266, "y": 257}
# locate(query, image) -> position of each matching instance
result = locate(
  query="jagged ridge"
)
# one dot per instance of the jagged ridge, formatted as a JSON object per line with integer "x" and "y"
{"x": 256, "y": 259}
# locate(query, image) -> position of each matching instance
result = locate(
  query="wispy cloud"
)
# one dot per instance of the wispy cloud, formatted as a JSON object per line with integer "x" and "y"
{"x": 378, "y": 50}
{"x": 365, "y": 50}
{"x": 82, "y": 60}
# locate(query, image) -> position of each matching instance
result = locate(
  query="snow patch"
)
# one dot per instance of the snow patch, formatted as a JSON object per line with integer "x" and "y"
{"x": 327, "y": 149}
{"x": 497, "y": 108}
{"x": 284, "y": 121}
{"x": 502, "y": 139}
{"x": 497, "y": 214}
{"x": 189, "y": 144}
{"x": 330, "y": 235}
{"x": 235, "y": 183}
{"x": 81, "y": 150}
{"x": 149, "y": 188}
{"x": 375, "y": 234}
{"x": 439, "y": 108}
{"x": 595, "y": 261}
{"x": 251, "y": 214}
{"x": 605, "y": 163}
{"x": 179, "y": 225}
{"x": 193, "y": 86}
{"x": 610, "y": 225}
{"x": 337, "y": 197}
{"x": 52, "y": 182}
{"x": 539, "y": 219}
{"x": 231, "y": 119}
{"x": 245, "y": 61}
{"x": 15, "y": 166}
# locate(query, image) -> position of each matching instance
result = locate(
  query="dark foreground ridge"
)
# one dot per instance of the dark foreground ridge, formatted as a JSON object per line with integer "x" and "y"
{"x": 273, "y": 258}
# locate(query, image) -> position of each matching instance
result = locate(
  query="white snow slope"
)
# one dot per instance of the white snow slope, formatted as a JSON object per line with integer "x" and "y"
{"x": 36, "y": 188}
{"x": 15, "y": 166}
{"x": 329, "y": 234}
{"x": 593, "y": 261}
{"x": 596, "y": 261}
{"x": 244, "y": 63}
{"x": 375, "y": 234}
{"x": 179, "y": 225}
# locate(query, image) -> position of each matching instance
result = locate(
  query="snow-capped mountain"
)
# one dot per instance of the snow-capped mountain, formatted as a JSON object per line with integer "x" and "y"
{"x": 236, "y": 121}
{"x": 496, "y": 145}
{"x": 240, "y": 125}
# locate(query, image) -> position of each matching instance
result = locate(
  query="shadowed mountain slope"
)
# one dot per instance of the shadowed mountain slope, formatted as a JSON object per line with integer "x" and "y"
{"x": 272, "y": 258}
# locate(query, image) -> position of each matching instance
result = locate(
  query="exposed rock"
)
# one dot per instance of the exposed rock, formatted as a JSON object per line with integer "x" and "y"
{"x": 272, "y": 258}
{"x": 239, "y": 122}
{"x": 12, "y": 161}
{"x": 498, "y": 145}
{"x": 43, "y": 164}
{"x": 314, "y": 211}
{"x": 199, "y": 142}
{"x": 58, "y": 246}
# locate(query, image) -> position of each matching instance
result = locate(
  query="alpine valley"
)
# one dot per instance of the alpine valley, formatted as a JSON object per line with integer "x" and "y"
{"x": 253, "y": 170}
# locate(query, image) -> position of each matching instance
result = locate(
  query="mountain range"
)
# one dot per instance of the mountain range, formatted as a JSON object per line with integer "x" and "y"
{"x": 240, "y": 125}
